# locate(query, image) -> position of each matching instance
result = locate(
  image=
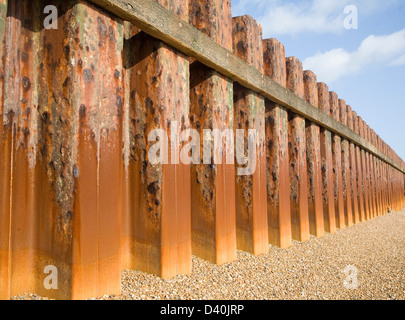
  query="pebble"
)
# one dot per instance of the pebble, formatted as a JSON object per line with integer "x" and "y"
{"x": 312, "y": 270}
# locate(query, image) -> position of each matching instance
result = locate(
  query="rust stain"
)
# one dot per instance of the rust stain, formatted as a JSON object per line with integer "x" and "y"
{"x": 337, "y": 163}
{"x": 297, "y": 156}
{"x": 77, "y": 189}
{"x": 159, "y": 237}
{"x": 353, "y": 173}
{"x": 96, "y": 56}
{"x": 213, "y": 214}
{"x": 211, "y": 107}
{"x": 347, "y": 217}
{"x": 45, "y": 116}
{"x": 364, "y": 172}
{"x": 251, "y": 191}
{"x": 313, "y": 154}
{"x": 377, "y": 177}
{"x": 360, "y": 184}
{"x": 371, "y": 175}
{"x": 326, "y": 164}
{"x": 278, "y": 180}
{"x": 18, "y": 139}
{"x": 374, "y": 176}
{"x": 213, "y": 18}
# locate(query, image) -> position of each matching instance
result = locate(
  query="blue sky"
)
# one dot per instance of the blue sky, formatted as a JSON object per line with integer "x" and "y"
{"x": 366, "y": 67}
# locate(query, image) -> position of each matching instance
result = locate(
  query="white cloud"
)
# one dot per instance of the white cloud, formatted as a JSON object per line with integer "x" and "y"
{"x": 336, "y": 63}
{"x": 399, "y": 62}
{"x": 317, "y": 16}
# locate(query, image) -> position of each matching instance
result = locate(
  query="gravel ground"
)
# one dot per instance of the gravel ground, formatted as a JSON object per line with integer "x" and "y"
{"x": 310, "y": 270}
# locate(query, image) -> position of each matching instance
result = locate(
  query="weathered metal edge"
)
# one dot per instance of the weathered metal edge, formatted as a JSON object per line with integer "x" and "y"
{"x": 160, "y": 23}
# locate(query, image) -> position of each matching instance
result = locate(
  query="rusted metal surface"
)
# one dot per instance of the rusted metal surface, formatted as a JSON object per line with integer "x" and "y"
{"x": 399, "y": 190}
{"x": 337, "y": 164}
{"x": 402, "y": 190}
{"x": 148, "y": 15}
{"x": 395, "y": 190}
{"x": 372, "y": 176}
{"x": 368, "y": 173}
{"x": 211, "y": 107}
{"x": 384, "y": 183}
{"x": 77, "y": 188}
{"x": 360, "y": 183}
{"x": 251, "y": 191}
{"x": 16, "y": 227}
{"x": 364, "y": 173}
{"x": 97, "y": 95}
{"x": 55, "y": 217}
{"x": 5, "y": 169}
{"x": 313, "y": 154}
{"x": 278, "y": 176}
{"x": 327, "y": 164}
{"x": 353, "y": 173}
{"x": 374, "y": 166}
{"x": 385, "y": 187}
{"x": 384, "y": 179}
{"x": 389, "y": 188}
{"x": 297, "y": 156}
{"x": 159, "y": 234}
{"x": 347, "y": 191}
{"x": 213, "y": 18}
{"x": 376, "y": 177}
{"x": 381, "y": 181}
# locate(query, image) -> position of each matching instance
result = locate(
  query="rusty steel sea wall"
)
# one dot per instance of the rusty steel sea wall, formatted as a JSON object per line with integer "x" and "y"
{"x": 78, "y": 190}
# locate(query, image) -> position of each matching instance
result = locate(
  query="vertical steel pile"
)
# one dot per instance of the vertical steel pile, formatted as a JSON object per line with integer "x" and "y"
{"x": 211, "y": 108}
{"x": 313, "y": 148}
{"x": 337, "y": 164}
{"x": 297, "y": 156}
{"x": 61, "y": 142}
{"x": 278, "y": 172}
{"x": 365, "y": 173}
{"x": 353, "y": 172}
{"x": 327, "y": 164}
{"x": 249, "y": 113}
{"x": 360, "y": 172}
{"x": 347, "y": 220}
{"x": 78, "y": 189}
{"x": 157, "y": 222}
